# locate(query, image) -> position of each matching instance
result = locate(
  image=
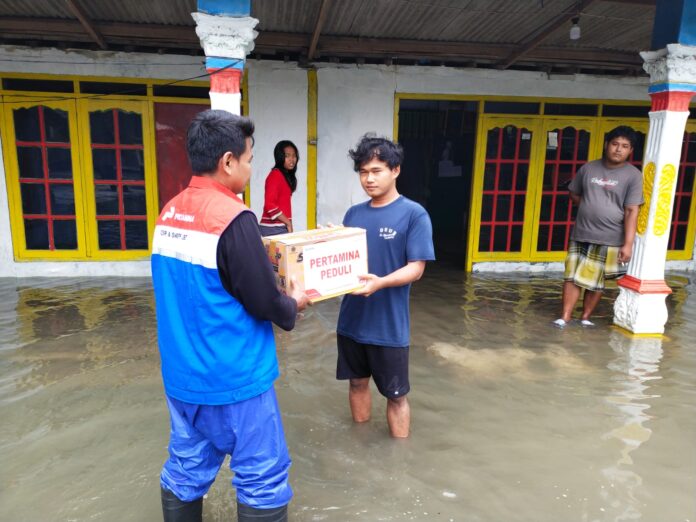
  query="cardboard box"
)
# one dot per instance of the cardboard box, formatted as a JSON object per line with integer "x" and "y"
{"x": 325, "y": 262}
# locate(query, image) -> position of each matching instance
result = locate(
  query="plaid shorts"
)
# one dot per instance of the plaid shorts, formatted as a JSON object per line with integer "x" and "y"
{"x": 589, "y": 265}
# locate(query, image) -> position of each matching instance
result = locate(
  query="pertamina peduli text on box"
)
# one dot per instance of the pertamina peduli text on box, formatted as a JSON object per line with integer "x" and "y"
{"x": 325, "y": 262}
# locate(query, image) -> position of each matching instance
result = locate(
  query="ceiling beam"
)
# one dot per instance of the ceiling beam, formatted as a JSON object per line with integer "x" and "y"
{"x": 86, "y": 22}
{"x": 271, "y": 42}
{"x": 323, "y": 10}
{"x": 184, "y": 38}
{"x": 534, "y": 39}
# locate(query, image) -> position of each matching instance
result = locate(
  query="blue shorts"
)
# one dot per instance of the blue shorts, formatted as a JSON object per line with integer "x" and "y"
{"x": 250, "y": 431}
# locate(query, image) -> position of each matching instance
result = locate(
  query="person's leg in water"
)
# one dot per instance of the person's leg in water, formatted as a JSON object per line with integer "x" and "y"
{"x": 360, "y": 399}
{"x": 571, "y": 294}
{"x": 589, "y": 303}
{"x": 260, "y": 461}
{"x": 398, "y": 417}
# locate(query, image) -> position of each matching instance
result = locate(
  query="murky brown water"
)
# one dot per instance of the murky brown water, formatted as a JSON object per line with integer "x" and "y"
{"x": 513, "y": 420}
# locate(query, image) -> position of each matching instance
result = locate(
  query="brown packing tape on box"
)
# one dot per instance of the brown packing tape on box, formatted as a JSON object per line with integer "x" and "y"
{"x": 324, "y": 262}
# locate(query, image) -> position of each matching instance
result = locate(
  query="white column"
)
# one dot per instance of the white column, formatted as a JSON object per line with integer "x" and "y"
{"x": 226, "y": 41}
{"x": 640, "y": 306}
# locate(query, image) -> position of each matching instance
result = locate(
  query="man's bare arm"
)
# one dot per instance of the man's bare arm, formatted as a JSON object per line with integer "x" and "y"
{"x": 630, "y": 221}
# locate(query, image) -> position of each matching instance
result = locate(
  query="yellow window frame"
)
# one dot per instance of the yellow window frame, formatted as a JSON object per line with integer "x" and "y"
{"x": 589, "y": 124}
{"x": 486, "y": 123}
{"x": 20, "y": 251}
{"x": 143, "y": 108}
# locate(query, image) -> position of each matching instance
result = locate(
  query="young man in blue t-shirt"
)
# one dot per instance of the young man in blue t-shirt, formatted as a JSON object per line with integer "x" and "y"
{"x": 373, "y": 325}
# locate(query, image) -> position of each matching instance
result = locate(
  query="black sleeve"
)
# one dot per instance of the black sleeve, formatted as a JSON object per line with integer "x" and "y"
{"x": 247, "y": 274}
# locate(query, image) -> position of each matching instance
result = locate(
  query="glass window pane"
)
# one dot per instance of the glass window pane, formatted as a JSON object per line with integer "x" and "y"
{"x": 558, "y": 238}
{"x": 543, "y": 238}
{"x": 130, "y": 128}
{"x": 680, "y": 239}
{"x": 487, "y": 208}
{"x": 516, "y": 238}
{"x": 505, "y": 181}
{"x": 62, "y": 199}
{"x": 688, "y": 176}
{"x": 132, "y": 165}
{"x": 64, "y": 234}
{"x": 518, "y": 211}
{"x": 500, "y": 238}
{"x": 107, "y": 200}
{"x": 502, "y": 209}
{"x": 33, "y": 198}
{"x": 27, "y": 124}
{"x": 691, "y": 148}
{"x": 492, "y": 143}
{"x": 101, "y": 126}
{"x": 583, "y": 146}
{"x": 59, "y": 163}
{"x": 684, "y": 208}
{"x": 104, "y": 163}
{"x": 525, "y": 144}
{"x": 56, "y": 123}
{"x": 521, "y": 181}
{"x": 489, "y": 176}
{"x": 36, "y": 233}
{"x": 109, "y": 233}
{"x": 485, "y": 238}
{"x": 509, "y": 142}
{"x": 561, "y": 210}
{"x": 545, "y": 211}
{"x": 30, "y": 162}
{"x": 134, "y": 200}
{"x": 136, "y": 235}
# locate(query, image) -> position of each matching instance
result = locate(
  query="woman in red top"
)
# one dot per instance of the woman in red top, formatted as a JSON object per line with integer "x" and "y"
{"x": 280, "y": 184}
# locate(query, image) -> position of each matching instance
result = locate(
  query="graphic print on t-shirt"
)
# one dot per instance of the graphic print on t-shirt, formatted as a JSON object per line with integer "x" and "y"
{"x": 604, "y": 182}
{"x": 387, "y": 233}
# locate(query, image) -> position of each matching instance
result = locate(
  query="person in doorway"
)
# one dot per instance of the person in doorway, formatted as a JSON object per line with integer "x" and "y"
{"x": 216, "y": 297}
{"x": 373, "y": 325}
{"x": 281, "y": 182}
{"x": 608, "y": 193}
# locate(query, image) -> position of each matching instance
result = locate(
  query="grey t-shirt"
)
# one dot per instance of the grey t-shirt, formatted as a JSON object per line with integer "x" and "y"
{"x": 605, "y": 192}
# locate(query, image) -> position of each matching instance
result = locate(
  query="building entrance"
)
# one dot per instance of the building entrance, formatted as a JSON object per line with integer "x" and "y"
{"x": 438, "y": 137}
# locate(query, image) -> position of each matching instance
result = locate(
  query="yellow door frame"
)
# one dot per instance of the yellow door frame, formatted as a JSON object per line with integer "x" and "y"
{"x": 550, "y": 123}
{"x": 20, "y": 251}
{"x": 141, "y": 107}
{"x": 488, "y": 122}
{"x": 312, "y": 134}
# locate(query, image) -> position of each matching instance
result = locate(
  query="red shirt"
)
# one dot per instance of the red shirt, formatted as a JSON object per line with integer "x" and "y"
{"x": 277, "y": 199}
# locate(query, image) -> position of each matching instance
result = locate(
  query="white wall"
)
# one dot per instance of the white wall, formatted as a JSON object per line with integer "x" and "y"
{"x": 352, "y": 100}
{"x": 278, "y": 106}
{"x": 355, "y": 99}
{"x": 83, "y": 63}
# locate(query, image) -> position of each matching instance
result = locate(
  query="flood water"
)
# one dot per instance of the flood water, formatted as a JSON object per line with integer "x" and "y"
{"x": 512, "y": 419}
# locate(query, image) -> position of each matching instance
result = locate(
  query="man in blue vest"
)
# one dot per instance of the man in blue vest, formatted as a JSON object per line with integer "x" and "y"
{"x": 216, "y": 298}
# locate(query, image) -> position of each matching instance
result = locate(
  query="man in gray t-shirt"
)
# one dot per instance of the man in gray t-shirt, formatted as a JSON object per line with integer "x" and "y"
{"x": 608, "y": 193}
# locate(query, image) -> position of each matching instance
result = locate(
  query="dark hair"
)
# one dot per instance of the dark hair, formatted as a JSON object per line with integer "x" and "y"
{"x": 370, "y": 147}
{"x": 622, "y": 131}
{"x": 211, "y": 134}
{"x": 279, "y": 156}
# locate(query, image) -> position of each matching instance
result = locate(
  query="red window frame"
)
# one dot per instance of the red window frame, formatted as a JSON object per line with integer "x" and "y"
{"x": 46, "y": 181}
{"x": 117, "y": 146}
{"x": 494, "y": 224}
{"x": 682, "y": 194}
{"x": 557, "y": 193}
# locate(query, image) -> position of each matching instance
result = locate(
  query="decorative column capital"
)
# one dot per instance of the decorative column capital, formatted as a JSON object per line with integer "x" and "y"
{"x": 226, "y": 36}
{"x": 671, "y": 68}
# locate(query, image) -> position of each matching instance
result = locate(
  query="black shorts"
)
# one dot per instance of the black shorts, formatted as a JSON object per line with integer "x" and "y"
{"x": 386, "y": 365}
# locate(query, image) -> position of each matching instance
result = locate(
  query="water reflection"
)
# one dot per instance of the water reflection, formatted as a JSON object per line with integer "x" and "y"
{"x": 637, "y": 363}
